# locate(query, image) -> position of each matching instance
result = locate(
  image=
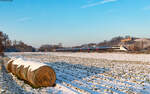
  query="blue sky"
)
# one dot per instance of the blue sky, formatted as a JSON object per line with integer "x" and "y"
{"x": 73, "y": 22}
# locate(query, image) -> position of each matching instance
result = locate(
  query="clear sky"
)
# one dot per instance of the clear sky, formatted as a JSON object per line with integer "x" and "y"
{"x": 73, "y": 22}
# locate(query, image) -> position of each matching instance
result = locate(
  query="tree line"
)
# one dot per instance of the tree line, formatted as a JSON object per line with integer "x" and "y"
{"x": 8, "y": 45}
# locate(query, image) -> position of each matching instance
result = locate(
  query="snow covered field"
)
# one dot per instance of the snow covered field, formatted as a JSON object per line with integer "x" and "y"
{"x": 78, "y": 73}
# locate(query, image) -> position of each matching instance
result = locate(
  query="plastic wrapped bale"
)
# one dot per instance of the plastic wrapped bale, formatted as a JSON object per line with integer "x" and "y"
{"x": 35, "y": 73}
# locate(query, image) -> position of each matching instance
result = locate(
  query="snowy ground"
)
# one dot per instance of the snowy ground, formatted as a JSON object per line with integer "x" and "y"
{"x": 110, "y": 73}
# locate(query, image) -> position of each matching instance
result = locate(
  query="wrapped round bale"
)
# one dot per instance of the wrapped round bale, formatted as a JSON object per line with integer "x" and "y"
{"x": 35, "y": 73}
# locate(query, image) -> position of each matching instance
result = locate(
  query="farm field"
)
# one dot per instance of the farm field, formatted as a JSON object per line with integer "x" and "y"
{"x": 86, "y": 73}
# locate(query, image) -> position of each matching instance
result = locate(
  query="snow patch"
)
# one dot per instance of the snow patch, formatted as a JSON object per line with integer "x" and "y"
{"x": 33, "y": 65}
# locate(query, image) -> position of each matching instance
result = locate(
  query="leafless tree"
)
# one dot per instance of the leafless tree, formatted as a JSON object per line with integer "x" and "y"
{"x": 1, "y": 44}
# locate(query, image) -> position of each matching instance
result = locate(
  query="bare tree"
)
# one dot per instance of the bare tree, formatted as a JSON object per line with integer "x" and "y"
{"x": 1, "y": 44}
{"x": 5, "y": 38}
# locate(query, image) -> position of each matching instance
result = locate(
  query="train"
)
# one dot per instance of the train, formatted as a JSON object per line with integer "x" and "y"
{"x": 89, "y": 49}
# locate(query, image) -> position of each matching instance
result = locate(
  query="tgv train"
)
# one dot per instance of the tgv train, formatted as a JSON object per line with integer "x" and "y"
{"x": 87, "y": 49}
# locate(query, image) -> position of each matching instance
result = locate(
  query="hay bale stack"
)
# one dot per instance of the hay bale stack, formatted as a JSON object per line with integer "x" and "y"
{"x": 36, "y": 74}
